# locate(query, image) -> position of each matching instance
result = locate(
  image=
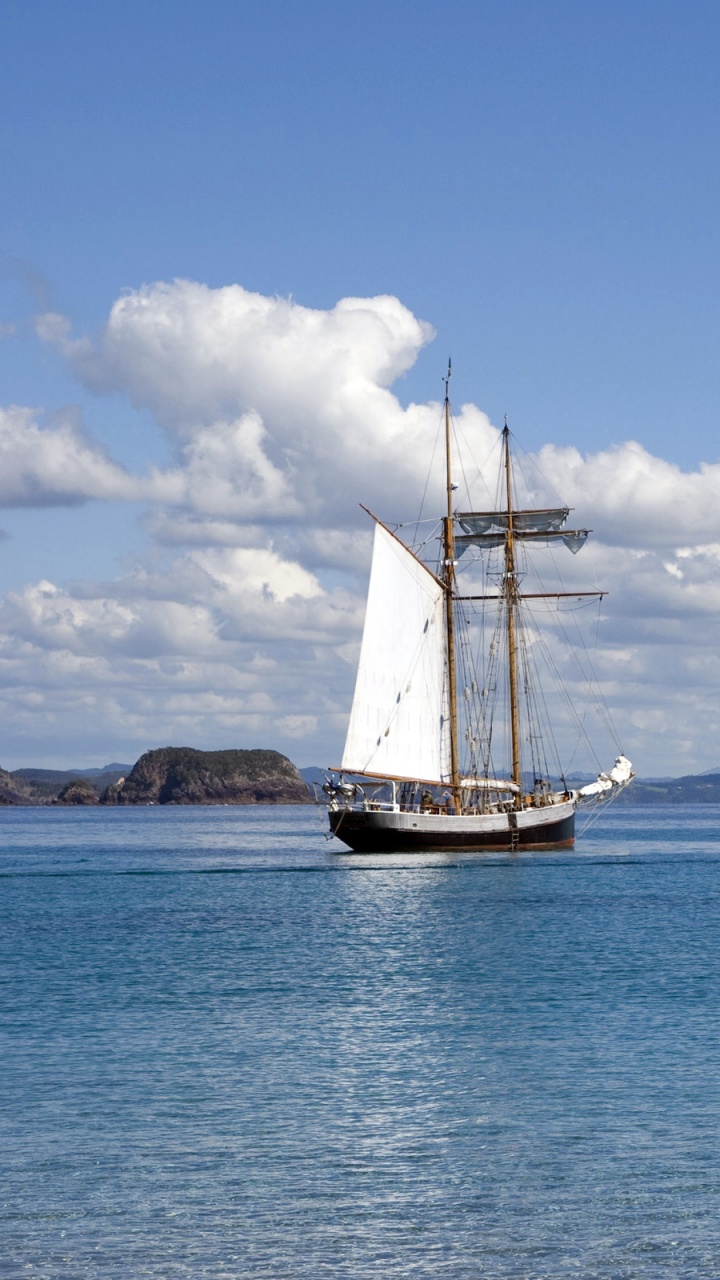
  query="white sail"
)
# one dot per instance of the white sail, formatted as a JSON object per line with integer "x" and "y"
{"x": 399, "y": 725}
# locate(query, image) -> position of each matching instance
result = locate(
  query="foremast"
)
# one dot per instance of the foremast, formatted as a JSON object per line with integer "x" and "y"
{"x": 510, "y": 592}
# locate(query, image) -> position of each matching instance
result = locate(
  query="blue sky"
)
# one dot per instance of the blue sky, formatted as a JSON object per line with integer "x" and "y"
{"x": 537, "y": 181}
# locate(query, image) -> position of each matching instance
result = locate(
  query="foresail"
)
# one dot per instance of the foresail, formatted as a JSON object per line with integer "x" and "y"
{"x": 399, "y": 723}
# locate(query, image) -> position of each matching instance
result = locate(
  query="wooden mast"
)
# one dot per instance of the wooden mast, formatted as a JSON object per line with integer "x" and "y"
{"x": 449, "y": 579}
{"x": 511, "y": 593}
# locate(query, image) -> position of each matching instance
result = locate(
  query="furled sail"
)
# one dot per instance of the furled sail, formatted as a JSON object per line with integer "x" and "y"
{"x": 399, "y": 725}
{"x": 484, "y": 522}
{"x": 619, "y": 776}
{"x": 488, "y": 529}
{"x": 573, "y": 539}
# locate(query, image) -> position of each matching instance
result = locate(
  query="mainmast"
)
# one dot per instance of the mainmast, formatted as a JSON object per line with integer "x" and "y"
{"x": 511, "y": 595}
{"x": 449, "y": 580}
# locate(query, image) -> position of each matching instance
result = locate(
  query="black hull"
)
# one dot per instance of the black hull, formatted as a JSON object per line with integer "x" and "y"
{"x": 370, "y": 832}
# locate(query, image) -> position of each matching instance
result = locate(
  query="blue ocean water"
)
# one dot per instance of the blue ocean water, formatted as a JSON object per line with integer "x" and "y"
{"x": 227, "y": 1051}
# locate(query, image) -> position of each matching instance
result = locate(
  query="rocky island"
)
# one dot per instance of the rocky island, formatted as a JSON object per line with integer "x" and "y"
{"x": 182, "y": 775}
{"x": 168, "y": 775}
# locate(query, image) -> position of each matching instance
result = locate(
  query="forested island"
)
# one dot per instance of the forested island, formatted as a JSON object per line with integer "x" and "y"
{"x": 168, "y": 775}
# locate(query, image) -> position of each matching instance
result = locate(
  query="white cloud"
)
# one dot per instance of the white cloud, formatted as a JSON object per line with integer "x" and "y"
{"x": 633, "y": 498}
{"x": 224, "y": 647}
{"x": 59, "y": 466}
{"x": 197, "y": 355}
{"x": 279, "y": 411}
{"x": 228, "y": 473}
{"x": 243, "y": 625}
{"x": 276, "y": 411}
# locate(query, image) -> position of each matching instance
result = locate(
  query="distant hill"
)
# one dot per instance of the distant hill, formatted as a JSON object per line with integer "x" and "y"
{"x": 694, "y": 788}
{"x": 120, "y": 769}
{"x": 313, "y": 775}
{"x": 59, "y": 775}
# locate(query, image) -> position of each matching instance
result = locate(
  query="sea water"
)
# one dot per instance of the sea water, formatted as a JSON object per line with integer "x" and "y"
{"x": 230, "y": 1050}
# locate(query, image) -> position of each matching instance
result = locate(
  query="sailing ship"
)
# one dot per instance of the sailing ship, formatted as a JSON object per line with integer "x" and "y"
{"x": 404, "y": 785}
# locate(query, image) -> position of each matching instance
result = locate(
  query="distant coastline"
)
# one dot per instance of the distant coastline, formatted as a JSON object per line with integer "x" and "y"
{"x": 185, "y": 775}
{"x": 693, "y": 788}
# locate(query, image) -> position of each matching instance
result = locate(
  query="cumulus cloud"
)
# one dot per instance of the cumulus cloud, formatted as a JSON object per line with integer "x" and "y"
{"x": 58, "y": 466}
{"x": 227, "y": 472}
{"x": 195, "y": 354}
{"x": 281, "y": 412}
{"x": 275, "y": 410}
{"x": 224, "y": 647}
{"x": 634, "y": 498}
